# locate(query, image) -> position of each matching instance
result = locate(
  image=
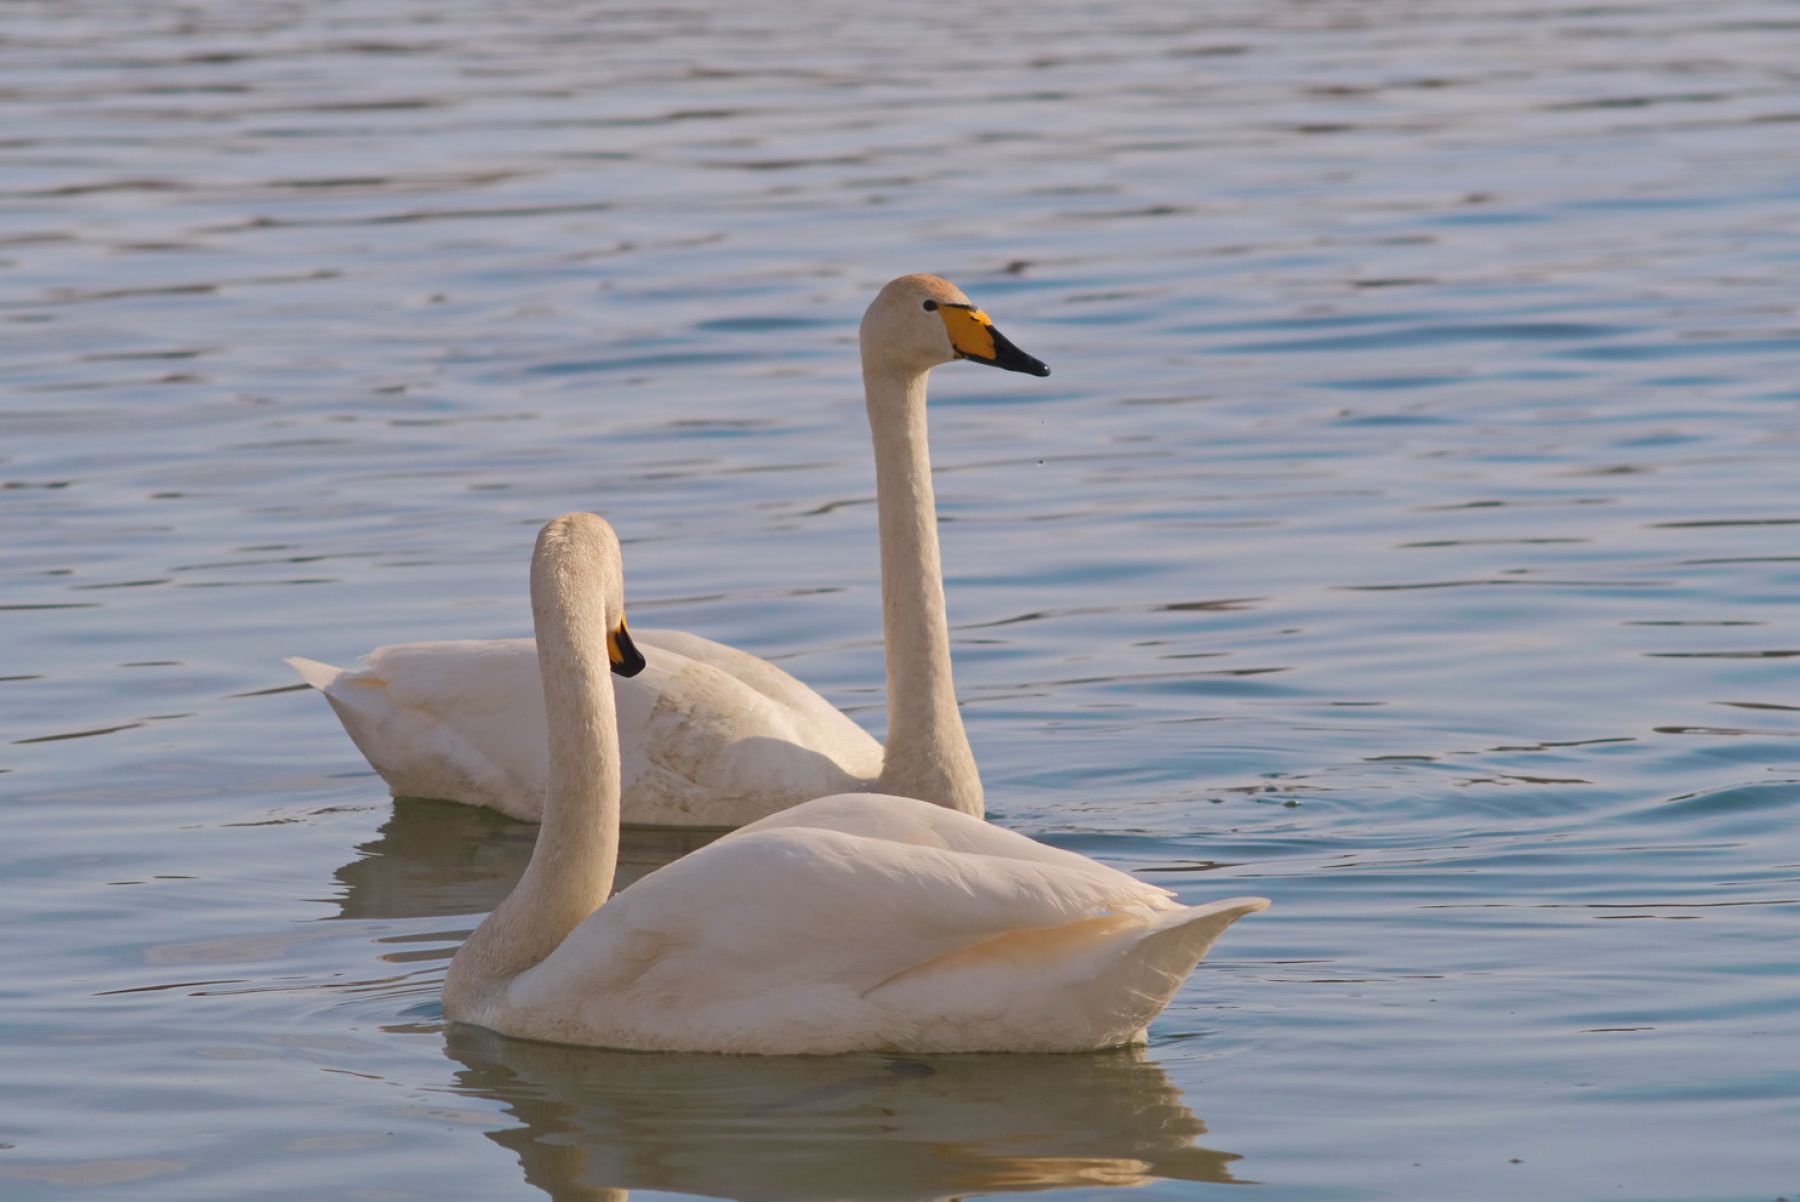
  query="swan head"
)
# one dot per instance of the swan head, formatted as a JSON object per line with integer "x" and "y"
{"x": 578, "y": 557}
{"x": 920, "y": 321}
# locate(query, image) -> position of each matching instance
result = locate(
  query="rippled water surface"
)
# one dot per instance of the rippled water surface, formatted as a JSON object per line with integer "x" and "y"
{"x": 1408, "y": 533}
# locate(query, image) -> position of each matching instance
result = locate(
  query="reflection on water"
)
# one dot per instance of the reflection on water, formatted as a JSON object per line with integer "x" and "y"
{"x": 434, "y": 858}
{"x": 828, "y": 1127}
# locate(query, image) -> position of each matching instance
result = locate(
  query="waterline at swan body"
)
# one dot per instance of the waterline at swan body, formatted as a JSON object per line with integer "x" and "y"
{"x": 848, "y": 923}
{"x": 713, "y": 736}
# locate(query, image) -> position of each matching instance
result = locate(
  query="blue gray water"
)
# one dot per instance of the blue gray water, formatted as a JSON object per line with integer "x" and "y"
{"x": 1408, "y": 533}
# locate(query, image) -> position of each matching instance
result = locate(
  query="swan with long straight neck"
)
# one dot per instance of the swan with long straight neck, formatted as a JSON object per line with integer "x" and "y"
{"x": 712, "y": 736}
{"x": 927, "y": 754}
{"x": 857, "y": 922}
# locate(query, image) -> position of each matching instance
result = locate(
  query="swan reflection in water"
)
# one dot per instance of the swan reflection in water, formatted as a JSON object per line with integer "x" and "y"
{"x": 861, "y": 1127}
{"x": 593, "y": 1123}
{"x": 437, "y": 858}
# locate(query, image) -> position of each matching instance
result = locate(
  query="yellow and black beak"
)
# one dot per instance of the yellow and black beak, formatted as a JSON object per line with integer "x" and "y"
{"x": 974, "y": 338}
{"x": 626, "y": 659}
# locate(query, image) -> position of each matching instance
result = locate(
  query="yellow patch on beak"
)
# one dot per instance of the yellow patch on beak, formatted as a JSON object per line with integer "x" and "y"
{"x": 971, "y": 331}
{"x": 622, "y": 653}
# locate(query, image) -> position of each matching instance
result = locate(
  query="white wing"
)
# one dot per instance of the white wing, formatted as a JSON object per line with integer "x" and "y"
{"x": 793, "y": 935}
{"x": 768, "y": 908}
{"x": 708, "y": 735}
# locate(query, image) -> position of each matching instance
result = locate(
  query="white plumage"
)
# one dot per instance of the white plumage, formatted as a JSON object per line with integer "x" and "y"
{"x": 713, "y": 736}
{"x": 869, "y": 922}
{"x": 710, "y": 735}
{"x": 848, "y": 923}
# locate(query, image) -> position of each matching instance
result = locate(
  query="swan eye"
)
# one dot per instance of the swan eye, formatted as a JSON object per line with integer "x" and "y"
{"x": 931, "y": 306}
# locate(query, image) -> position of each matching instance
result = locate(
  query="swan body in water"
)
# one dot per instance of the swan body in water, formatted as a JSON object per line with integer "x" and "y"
{"x": 713, "y": 736}
{"x": 848, "y": 923}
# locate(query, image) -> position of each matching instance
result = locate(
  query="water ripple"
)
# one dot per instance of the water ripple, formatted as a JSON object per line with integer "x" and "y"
{"x": 1406, "y": 536}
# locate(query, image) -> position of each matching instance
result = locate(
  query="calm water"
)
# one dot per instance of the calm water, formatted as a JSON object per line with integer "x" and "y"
{"x": 1408, "y": 533}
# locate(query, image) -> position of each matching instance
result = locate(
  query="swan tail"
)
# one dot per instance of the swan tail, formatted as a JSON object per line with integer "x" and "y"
{"x": 1158, "y": 959}
{"x": 320, "y": 676}
{"x": 1091, "y": 984}
{"x": 1179, "y": 941}
{"x": 369, "y": 717}
{"x": 360, "y": 700}
{"x": 415, "y": 749}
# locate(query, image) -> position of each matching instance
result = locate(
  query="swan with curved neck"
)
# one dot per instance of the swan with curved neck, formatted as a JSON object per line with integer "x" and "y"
{"x": 713, "y": 736}
{"x": 849, "y": 923}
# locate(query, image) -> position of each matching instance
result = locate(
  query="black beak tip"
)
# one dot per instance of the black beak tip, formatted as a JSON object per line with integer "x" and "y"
{"x": 1017, "y": 360}
{"x": 1008, "y": 357}
{"x": 631, "y": 660}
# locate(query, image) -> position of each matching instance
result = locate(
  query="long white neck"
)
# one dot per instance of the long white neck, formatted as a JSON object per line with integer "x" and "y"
{"x": 577, "y": 849}
{"x": 927, "y": 754}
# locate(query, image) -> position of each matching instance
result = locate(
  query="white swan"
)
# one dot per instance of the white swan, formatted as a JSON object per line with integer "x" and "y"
{"x": 849, "y": 923}
{"x": 713, "y": 736}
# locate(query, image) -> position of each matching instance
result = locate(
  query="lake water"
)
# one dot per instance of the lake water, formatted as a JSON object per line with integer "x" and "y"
{"x": 1408, "y": 534}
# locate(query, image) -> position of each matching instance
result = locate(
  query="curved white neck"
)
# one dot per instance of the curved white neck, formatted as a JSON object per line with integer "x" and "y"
{"x": 577, "y": 849}
{"x": 927, "y": 753}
